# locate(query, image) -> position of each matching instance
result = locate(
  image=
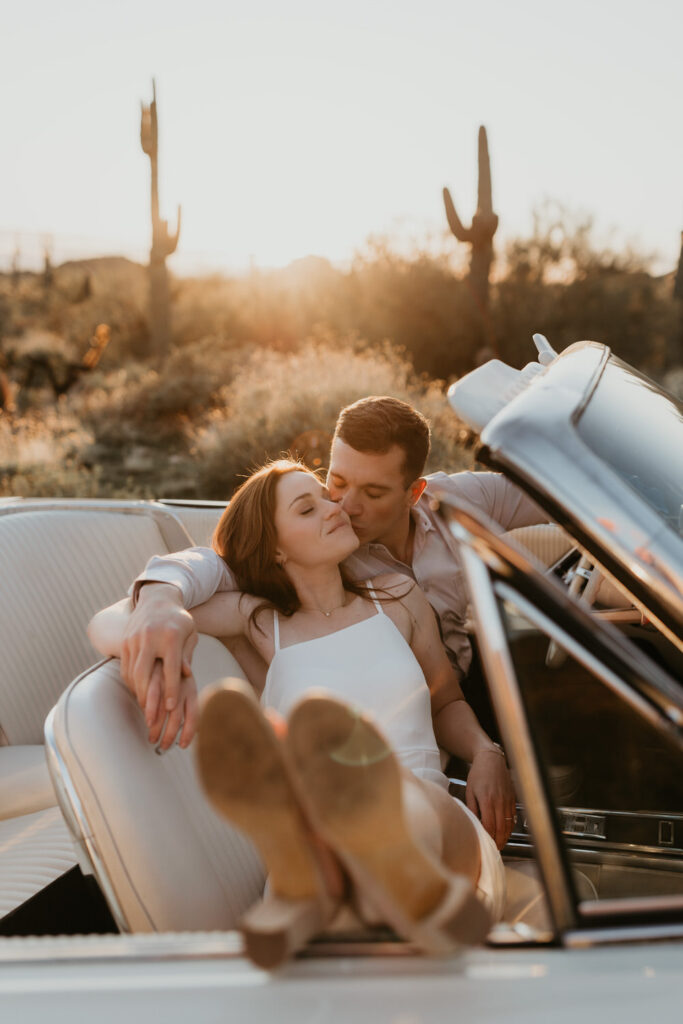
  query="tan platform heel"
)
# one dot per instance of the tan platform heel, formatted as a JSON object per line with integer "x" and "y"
{"x": 242, "y": 771}
{"x": 349, "y": 782}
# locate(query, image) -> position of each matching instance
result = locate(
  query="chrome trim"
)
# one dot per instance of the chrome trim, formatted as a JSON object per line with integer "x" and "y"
{"x": 602, "y": 851}
{"x": 518, "y": 742}
{"x": 172, "y": 530}
{"x": 72, "y": 808}
{"x": 589, "y": 937}
{"x": 593, "y": 382}
{"x": 624, "y": 906}
{"x": 155, "y": 946}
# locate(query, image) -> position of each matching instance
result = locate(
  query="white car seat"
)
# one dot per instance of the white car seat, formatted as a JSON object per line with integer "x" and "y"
{"x": 61, "y": 562}
{"x": 163, "y": 858}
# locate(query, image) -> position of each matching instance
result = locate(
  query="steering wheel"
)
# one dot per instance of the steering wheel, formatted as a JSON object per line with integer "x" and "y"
{"x": 584, "y": 584}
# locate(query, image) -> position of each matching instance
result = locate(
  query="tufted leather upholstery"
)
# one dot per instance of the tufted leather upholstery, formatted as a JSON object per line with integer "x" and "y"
{"x": 35, "y": 849}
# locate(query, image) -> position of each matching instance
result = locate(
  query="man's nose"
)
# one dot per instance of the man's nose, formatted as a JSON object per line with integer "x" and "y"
{"x": 350, "y": 503}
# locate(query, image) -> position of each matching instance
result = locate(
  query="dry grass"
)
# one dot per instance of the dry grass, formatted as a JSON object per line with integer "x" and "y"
{"x": 257, "y": 361}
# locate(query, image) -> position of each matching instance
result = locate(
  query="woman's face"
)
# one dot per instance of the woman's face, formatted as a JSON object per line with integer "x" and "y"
{"x": 311, "y": 529}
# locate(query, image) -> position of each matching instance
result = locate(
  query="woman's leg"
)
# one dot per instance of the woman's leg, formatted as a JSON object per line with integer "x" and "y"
{"x": 389, "y": 830}
{"x": 442, "y": 825}
{"x": 244, "y": 774}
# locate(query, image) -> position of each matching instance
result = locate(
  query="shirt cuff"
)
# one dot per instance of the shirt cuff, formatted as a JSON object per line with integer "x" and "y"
{"x": 138, "y": 584}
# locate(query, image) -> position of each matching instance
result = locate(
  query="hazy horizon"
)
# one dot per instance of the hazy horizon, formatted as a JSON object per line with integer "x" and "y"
{"x": 303, "y": 131}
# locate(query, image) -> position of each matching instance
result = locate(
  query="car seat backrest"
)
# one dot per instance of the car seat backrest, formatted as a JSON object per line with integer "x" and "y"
{"x": 547, "y": 542}
{"x": 60, "y": 565}
{"x": 199, "y": 520}
{"x": 162, "y": 856}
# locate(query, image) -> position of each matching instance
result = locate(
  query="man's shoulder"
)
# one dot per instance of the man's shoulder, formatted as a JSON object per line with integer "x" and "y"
{"x": 467, "y": 484}
{"x": 395, "y": 582}
{"x": 464, "y": 479}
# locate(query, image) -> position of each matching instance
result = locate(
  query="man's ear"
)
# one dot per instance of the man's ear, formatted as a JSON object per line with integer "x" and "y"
{"x": 416, "y": 490}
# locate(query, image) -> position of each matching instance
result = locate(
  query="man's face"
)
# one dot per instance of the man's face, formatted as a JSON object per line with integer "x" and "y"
{"x": 371, "y": 489}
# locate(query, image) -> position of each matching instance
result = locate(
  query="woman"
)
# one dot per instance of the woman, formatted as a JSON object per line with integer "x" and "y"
{"x": 324, "y": 797}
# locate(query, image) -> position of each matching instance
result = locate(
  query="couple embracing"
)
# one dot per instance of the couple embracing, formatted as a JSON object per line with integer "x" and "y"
{"x": 345, "y": 605}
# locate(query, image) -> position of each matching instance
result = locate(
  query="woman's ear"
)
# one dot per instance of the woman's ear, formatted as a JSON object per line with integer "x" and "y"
{"x": 280, "y": 558}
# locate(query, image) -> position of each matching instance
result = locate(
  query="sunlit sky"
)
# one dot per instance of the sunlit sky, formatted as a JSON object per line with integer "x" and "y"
{"x": 302, "y": 127}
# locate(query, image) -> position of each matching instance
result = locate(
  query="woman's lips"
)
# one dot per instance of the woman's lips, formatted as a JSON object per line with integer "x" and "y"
{"x": 339, "y": 526}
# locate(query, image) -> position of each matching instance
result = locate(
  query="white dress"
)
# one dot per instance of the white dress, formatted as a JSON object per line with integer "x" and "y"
{"x": 371, "y": 666}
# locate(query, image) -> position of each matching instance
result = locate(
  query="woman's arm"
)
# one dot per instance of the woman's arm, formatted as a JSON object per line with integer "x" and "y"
{"x": 489, "y": 788}
{"x": 223, "y": 615}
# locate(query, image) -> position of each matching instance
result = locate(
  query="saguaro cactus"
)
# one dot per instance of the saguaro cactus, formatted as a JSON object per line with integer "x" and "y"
{"x": 163, "y": 241}
{"x": 678, "y": 279}
{"x": 483, "y": 228}
{"x": 48, "y": 271}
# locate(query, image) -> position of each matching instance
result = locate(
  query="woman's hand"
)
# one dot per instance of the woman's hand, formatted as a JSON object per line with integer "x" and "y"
{"x": 490, "y": 794}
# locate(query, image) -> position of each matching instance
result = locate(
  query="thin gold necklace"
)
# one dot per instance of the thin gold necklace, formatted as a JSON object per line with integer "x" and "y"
{"x": 335, "y": 609}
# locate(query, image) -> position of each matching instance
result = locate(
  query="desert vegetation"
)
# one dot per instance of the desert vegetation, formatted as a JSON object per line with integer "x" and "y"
{"x": 261, "y": 364}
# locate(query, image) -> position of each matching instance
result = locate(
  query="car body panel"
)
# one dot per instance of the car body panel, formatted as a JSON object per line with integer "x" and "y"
{"x": 628, "y": 984}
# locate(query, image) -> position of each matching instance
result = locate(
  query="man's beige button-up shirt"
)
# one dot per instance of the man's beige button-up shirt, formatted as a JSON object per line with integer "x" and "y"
{"x": 200, "y": 572}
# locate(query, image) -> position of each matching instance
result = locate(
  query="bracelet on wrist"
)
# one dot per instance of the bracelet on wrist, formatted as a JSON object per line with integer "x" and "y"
{"x": 495, "y": 749}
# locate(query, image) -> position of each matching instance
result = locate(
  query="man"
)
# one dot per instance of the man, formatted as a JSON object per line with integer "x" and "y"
{"x": 378, "y": 455}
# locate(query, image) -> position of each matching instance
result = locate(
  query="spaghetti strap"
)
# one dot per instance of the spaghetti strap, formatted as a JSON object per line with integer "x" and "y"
{"x": 377, "y": 604}
{"x": 276, "y": 630}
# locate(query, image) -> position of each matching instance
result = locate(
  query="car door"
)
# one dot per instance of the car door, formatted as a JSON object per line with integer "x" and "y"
{"x": 610, "y": 718}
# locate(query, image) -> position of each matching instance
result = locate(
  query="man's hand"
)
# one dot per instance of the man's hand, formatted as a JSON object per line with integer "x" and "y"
{"x": 182, "y": 721}
{"x": 159, "y": 629}
{"x": 491, "y": 796}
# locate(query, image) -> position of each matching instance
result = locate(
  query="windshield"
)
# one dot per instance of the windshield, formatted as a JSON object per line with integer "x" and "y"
{"x": 638, "y": 430}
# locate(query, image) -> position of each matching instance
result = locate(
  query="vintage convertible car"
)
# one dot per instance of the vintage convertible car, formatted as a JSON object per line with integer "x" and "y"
{"x": 579, "y": 628}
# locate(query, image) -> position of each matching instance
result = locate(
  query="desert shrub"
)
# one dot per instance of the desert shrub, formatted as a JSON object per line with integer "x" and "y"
{"x": 158, "y": 408}
{"x": 277, "y": 396}
{"x": 204, "y": 306}
{"x": 40, "y": 457}
{"x": 561, "y": 282}
{"x": 268, "y": 309}
{"x": 417, "y": 303}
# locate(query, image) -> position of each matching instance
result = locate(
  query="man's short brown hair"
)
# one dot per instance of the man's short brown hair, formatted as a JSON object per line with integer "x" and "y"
{"x": 376, "y": 424}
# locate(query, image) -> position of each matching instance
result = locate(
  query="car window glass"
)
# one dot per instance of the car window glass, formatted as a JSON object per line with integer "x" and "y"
{"x": 615, "y": 780}
{"x": 645, "y": 450}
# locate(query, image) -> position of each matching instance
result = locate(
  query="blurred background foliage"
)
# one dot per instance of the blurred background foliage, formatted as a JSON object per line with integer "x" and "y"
{"x": 259, "y": 360}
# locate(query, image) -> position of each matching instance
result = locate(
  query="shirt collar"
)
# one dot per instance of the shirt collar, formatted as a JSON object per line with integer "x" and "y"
{"x": 423, "y": 524}
{"x": 422, "y": 520}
